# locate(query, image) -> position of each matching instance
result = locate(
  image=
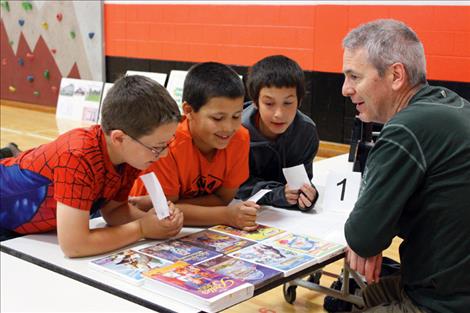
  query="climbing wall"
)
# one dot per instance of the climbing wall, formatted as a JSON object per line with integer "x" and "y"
{"x": 43, "y": 41}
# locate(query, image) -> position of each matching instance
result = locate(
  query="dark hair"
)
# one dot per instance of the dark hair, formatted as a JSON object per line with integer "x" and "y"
{"x": 275, "y": 71}
{"x": 209, "y": 80}
{"x": 137, "y": 105}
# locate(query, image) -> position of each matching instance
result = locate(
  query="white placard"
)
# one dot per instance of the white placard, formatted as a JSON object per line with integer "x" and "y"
{"x": 79, "y": 99}
{"x": 341, "y": 191}
{"x": 175, "y": 86}
{"x": 106, "y": 88}
{"x": 296, "y": 176}
{"x": 156, "y": 194}
{"x": 158, "y": 77}
{"x": 258, "y": 195}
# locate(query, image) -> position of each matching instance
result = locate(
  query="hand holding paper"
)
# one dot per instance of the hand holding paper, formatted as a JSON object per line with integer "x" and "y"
{"x": 296, "y": 176}
{"x": 155, "y": 191}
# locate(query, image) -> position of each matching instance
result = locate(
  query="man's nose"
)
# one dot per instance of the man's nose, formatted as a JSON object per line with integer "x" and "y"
{"x": 347, "y": 90}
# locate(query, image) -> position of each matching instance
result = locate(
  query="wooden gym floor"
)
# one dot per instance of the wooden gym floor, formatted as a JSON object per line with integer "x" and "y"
{"x": 29, "y": 128}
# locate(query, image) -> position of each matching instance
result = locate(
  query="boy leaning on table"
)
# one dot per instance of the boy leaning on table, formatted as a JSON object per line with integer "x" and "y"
{"x": 57, "y": 185}
{"x": 208, "y": 158}
{"x": 281, "y": 136}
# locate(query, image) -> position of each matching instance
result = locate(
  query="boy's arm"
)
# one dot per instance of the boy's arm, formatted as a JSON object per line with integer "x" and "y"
{"x": 118, "y": 213}
{"x": 221, "y": 197}
{"x": 77, "y": 239}
{"x": 214, "y": 209}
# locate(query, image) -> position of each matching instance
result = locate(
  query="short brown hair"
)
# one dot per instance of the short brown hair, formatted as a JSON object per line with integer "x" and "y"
{"x": 137, "y": 105}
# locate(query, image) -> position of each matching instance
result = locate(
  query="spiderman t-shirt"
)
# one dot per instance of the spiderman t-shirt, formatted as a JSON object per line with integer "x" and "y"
{"x": 75, "y": 169}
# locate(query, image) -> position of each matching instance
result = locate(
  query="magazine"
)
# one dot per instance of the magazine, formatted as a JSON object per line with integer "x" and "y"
{"x": 196, "y": 286}
{"x": 128, "y": 265}
{"x": 320, "y": 249}
{"x": 216, "y": 241}
{"x": 175, "y": 250}
{"x": 261, "y": 233}
{"x": 252, "y": 273}
{"x": 289, "y": 262}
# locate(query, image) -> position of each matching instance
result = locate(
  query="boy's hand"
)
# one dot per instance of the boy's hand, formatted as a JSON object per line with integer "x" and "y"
{"x": 292, "y": 195}
{"x": 243, "y": 215}
{"x": 153, "y": 228}
{"x": 143, "y": 203}
{"x": 306, "y": 196}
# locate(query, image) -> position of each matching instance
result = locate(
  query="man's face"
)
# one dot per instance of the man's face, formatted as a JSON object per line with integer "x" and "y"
{"x": 371, "y": 93}
{"x": 215, "y": 123}
{"x": 277, "y": 108}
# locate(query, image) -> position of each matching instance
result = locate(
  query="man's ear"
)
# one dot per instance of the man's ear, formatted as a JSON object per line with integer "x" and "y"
{"x": 187, "y": 110}
{"x": 117, "y": 137}
{"x": 399, "y": 75}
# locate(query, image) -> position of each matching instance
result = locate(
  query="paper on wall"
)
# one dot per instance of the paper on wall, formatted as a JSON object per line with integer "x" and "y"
{"x": 156, "y": 195}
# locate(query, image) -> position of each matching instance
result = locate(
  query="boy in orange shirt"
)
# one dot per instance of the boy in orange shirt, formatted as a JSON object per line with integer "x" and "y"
{"x": 208, "y": 159}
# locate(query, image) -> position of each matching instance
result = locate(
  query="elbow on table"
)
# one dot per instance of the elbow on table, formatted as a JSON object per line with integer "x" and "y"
{"x": 72, "y": 248}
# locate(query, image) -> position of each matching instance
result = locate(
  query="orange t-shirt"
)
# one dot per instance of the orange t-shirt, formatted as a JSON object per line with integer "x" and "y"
{"x": 186, "y": 173}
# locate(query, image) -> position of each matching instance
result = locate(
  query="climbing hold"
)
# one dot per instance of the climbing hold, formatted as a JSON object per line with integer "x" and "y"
{"x": 30, "y": 56}
{"x": 21, "y": 22}
{"x": 45, "y": 25}
{"x": 21, "y": 61}
{"x": 12, "y": 89}
{"x": 72, "y": 34}
{"x": 27, "y": 6}
{"x": 46, "y": 74}
{"x": 36, "y": 93}
{"x": 4, "y": 61}
{"x": 53, "y": 50}
{"x": 91, "y": 35}
{"x": 59, "y": 17}
{"x": 12, "y": 42}
{"x": 54, "y": 89}
{"x": 30, "y": 78}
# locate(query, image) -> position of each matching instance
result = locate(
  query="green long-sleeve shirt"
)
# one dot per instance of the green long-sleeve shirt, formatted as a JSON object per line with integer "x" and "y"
{"x": 417, "y": 186}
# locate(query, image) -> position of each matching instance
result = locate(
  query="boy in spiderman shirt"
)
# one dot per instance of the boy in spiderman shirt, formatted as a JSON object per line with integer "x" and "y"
{"x": 58, "y": 185}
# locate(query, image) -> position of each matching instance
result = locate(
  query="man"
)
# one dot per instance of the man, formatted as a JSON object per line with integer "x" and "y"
{"x": 416, "y": 183}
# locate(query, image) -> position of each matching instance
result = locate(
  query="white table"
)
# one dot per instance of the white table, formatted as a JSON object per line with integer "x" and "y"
{"x": 63, "y": 284}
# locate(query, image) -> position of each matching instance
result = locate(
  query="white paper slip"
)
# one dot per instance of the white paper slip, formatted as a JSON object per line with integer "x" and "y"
{"x": 296, "y": 176}
{"x": 258, "y": 195}
{"x": 156, "y": 195}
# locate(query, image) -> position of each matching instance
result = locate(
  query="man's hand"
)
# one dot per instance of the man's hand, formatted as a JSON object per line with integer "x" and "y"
{"x": 369, "y": 267}
{"x": 152, "y": 227}
{"x": 243, "y": 215}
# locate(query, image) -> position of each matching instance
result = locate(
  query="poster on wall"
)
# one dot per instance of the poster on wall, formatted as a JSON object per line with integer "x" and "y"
{"x": 106, "y": 88}
{"x": 175, "y": 86}
{"x": 79, "y": 100}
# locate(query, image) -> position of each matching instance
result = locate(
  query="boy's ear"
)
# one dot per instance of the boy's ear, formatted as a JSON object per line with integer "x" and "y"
{"x": 117, "y": 137}
{"x": 187, "y": 110}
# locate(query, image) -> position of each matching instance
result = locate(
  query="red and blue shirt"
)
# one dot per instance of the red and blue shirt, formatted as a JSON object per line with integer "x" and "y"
{"x": 75, "y": 169}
